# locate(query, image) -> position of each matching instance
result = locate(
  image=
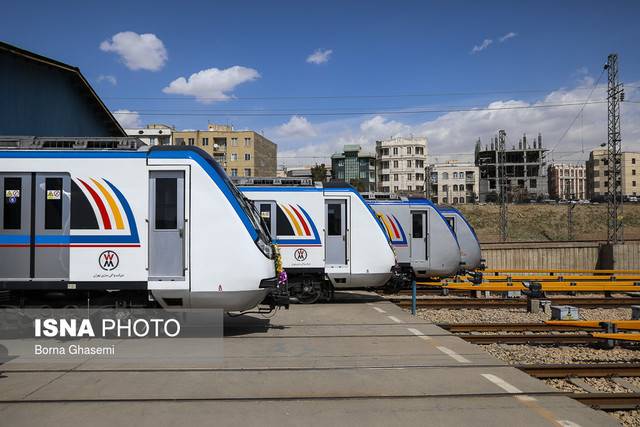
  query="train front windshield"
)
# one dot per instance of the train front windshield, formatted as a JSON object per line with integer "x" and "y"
{"x": 263, "y": 241}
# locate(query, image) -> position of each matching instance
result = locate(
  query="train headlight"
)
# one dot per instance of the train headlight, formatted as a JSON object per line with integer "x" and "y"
{"x": 265, "y": 248}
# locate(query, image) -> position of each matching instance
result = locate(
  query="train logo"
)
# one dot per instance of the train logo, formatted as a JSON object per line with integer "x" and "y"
{"x": 300, "y": 254}
{"x": 108, "y": 260}
{"x": 394, "y": 229}
{"x": 295, "y": 227}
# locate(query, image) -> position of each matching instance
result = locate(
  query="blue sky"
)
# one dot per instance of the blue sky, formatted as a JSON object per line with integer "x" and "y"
{"x": 376, "y": 48}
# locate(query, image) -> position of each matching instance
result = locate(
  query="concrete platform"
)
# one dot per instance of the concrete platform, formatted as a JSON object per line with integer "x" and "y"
{"x": 360, "y": 361}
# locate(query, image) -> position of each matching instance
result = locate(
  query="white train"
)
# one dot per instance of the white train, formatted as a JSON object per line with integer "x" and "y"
{"x": 424, "y": 243}
{"x": 329, "y": 238}
{"x": 105, "y": 218}
{"x": 470, "y": 254}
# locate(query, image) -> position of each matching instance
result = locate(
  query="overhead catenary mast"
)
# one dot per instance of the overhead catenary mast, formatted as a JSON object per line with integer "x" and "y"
{"x": 615, "y": 94}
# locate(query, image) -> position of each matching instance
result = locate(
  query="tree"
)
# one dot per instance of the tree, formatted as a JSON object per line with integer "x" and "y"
{"x": 319, "y": 173}
{"x": 359, "y": 185}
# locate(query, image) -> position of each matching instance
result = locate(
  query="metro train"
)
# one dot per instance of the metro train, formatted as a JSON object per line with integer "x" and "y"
{"x": 328, "y": 236}
{"x": 112, "y": 220}
{"x": 470, "y": 254}
{"x": 424, "y": 242}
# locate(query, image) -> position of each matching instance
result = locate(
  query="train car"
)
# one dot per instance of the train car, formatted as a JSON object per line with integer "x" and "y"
{"x": 112, "y": 219}
{"x": 329, "y": 238}
{"x": 470, "y": 254}
{"x": 424, "y": 243}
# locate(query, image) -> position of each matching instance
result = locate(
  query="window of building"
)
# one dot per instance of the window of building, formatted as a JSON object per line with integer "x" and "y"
{"x": 419, "y": 150}
{"x": 385, "y": 178}
{"x": 395, "y": 164}
{"x": 385, "y": 165}
{"x": 395, "y": 151}
{"x": 445, "y": 200}
{"x": 455, "y": 175}
{"x": 409, "y": 188}
{"x": 395, "y": 177}
{"x": 385, "y": 151}
{"x": 234, "y": 142}
{"x": 455, "y": 200}
{"x": 633, "y": 183}
{"x": 455, "y": 187}
{"x": 445, "y": 175}
{"x": 408, "y": 163}
{"x": 395, "y": 188}
{"x": 409, "y": 176}
{"x": 192, "y": 141}
{"x": 247, "y": 156}
{"x": 385, "y": 189}
{"x": 234, "y": 172}
{"x": 533, "y": 183}
{"x": 420, "y": 164}
{"x": 633, "y": 171}
{"x": 234, "y": 157}
{"x": 633, "y": 160}
{"x": 492, "y": 185}
{"x": 408, "y": 150}
{"x": 247, "y": 171}
{"x": 461, "y": 199}
{"x": 419, "y": 188}
{"x": 247, "y": 142}
{"x": 445, "y": 188}
{"x": 419, "y": 177}
{"x": 205, "y": 141}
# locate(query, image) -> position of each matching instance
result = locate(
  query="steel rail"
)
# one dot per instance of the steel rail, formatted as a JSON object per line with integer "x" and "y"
{"x": 514, "y": 302}
{"x": 583, "y": 370}
{"x": 554, "y": 339}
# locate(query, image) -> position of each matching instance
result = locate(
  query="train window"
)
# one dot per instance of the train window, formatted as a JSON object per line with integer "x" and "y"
{"x": 12, "y": 205}
{"x": 265, "y": 214}
{"x": 452, "y": 222}
{"x": 334, "y": 219}
{"x": 417, "y": 231}
{"x": 82, "y": 215}
{"x": 53, "y": 204}
{"x": 283, "y": 227}
{"x": 166, "y": 203}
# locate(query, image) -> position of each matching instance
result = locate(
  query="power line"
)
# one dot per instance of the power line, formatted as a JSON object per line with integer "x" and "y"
{"x": 359, "y": 113}
{"x": 593, "y": 88}
{"x": 361, "y": 96}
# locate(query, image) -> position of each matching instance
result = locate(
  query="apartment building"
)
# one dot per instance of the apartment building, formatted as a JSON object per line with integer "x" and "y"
{"x": 401, "y": 163}
{"x": 355, "y": 166}
{"x": 597, "y": 171}
{"x": 525, "y": 166}
{"x": 453, "y": 183}
{"x": 153, "y": 134}
{"x": 241, "y": 153}
{"x": 567, "y": 182}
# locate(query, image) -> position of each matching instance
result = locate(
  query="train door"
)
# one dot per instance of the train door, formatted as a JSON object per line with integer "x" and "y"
{"x": 52, "y": 193}
{"x": 15, "y": 226}
{"x": 419, "y": 236}
{"x": 35, "y": 226}
{"x": 166, "y": 225}
{"x": 336, "y": 233}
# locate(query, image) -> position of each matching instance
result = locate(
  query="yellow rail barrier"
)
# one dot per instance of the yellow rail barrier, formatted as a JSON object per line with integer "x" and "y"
{"x": 557, "y": 270}
{"x": 627, "y": 325}
{"x": 616, "y": 336}
{"x": 587, "y": 286}
{"x": 560, "y": 278}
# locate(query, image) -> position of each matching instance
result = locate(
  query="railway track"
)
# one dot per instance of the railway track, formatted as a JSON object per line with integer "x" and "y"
{"x": 540, "y": 339}
{"x": 581, "y": 371}
{"x": 585, "y": 302}
{"x": 609, "y": 401}
{"x": 504, "y": 327}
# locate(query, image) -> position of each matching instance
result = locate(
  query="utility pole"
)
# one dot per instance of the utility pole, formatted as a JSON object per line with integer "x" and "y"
{"x": 615, "y": 94}
{"x": 502, "y": 183}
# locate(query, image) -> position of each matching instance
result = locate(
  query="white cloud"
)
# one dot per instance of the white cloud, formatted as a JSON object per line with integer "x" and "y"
{"x": 297, "y": 126}
{"x": 107, "y": 78}
{"x": 380, "y": 127}
{"x": 128, "y": 119}
{"x": 320, "y": 56}
{"x": 453, "y": 134}
{"x": 212, "y": 84}
{"x": 137, "y": 51}
{"x": 479, "y": 48}
{"x": 508, "y": 36}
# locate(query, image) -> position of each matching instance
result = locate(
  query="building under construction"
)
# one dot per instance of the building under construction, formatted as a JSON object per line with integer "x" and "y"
{"x": 525, "y": 170}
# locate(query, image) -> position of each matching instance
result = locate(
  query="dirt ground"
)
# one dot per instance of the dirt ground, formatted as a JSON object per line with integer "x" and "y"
{"x": 540, "y": 222}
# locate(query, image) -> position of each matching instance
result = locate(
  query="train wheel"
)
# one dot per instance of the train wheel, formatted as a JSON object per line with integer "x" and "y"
{"x": 309, "y": 293}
